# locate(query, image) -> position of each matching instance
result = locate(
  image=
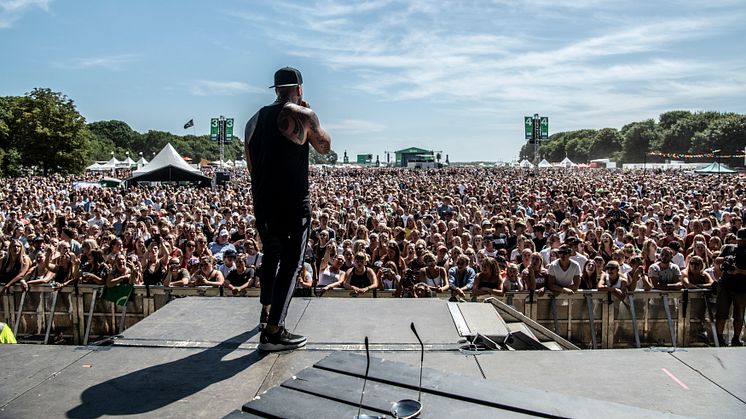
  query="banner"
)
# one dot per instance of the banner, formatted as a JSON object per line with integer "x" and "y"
{"x": 694, "y": 156}
{"x": 544, "y": 128}
{"x": 529, "y": 127}
{"x": 214, "y": 129}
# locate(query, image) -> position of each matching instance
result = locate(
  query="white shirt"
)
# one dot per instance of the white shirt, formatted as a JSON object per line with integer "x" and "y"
{"x": 564, "y": 278}
{"x": 679, "y": 260}
{"x": 580, "y": 260}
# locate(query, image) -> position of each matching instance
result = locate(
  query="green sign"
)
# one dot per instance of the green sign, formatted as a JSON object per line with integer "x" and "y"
{"x": 529, "y": 127}
{"x": 544, "y": 127}
{"x": 228, "y": 130}
{"x": 364, "y": 158}
{"x": 214, "y": 129}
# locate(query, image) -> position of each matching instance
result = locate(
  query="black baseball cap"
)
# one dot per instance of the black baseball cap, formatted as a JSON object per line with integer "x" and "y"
{"x": 287, "y": 76}
{"x": 741, "y": 234}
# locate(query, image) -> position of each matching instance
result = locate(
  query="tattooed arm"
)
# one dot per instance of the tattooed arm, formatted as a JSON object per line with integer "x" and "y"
{"x": 299, "y": 123}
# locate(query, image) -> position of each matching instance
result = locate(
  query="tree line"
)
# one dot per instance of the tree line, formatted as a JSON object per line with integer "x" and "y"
{"x": 675, "y": 132}
{"x": 43, "y": 132}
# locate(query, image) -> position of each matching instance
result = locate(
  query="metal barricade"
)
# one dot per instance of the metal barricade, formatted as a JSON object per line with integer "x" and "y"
{"x": 589, "y": 319}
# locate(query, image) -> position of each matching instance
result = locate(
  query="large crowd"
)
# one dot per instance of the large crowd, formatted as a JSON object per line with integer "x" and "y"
{"x": 458, "y": 232}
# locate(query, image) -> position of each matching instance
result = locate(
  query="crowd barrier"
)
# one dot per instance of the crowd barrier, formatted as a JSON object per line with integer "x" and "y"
{"x": 589, "y": 319}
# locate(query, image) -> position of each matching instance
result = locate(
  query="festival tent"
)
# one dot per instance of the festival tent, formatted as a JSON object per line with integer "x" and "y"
{"x": 142, "y": 162}
{"x": 98, "y": 167}
{"x": 525, "y": 164}
{"x": 567, "y": 163}
{"x": 544, "y": 164}
{"x": 168, "y": 166}
{"x": 715, "y": 168}
{"x": 127, "y": 164}
{"x": 113, "y": 162}
{"x": 240, "y": 163}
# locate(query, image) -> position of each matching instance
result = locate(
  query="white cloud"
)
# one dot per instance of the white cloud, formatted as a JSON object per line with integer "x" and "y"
{"x": 585, "y": 62}
{"x": 353, "y": 126}
{"x": 12, "y": 10}
{"x": 222, "y": 88}
{"x": 111, "y": 62}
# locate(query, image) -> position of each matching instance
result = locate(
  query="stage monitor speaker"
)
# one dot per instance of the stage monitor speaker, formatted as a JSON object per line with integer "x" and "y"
{"x": 222, "y": 178}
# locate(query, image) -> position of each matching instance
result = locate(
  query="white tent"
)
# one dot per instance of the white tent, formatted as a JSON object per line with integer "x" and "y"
{"x": 168, "y": 156}
{"x": 525, "y": 164}
{"x": 168, "y": 166}
{"x": 220, "y": 163}
{"x": 128, "y": 163}
{"x": 240, "y": 163}
{"x": 543, "y": 164}
{"x": 567, "y": 163}
{"x": 98, "y": 167}
{"x": 142, "y": 162}
{"x": 113, "y": 162}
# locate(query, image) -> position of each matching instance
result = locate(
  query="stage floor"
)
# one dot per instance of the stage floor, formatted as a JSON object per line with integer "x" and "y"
{"x": 196, "y": 357}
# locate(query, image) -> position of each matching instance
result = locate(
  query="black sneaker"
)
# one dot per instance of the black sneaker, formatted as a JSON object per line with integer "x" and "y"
{"x": 280, "y": 341}
{"x": 263, "y": 317}
{"x": 736, "y": 342}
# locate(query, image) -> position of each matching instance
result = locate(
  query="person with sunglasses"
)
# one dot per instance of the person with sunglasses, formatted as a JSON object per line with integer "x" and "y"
{"x": 176, "y": 275}
{"x": 207, "y": 275}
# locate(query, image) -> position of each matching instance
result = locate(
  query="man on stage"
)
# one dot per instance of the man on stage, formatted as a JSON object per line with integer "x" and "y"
{"x": 277, "y": 139}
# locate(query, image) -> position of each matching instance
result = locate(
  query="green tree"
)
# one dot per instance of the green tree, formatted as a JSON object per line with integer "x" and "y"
{"x": 670, "y": 118}
{"x": 10, "y": 162}
{"x": 606, "y": 144}
{"x": 49, "y": 132}
{"x": 677, "y": 136}
{"x": 577, "y": 148}
{"x": 117, "y": 132}
{"x": 7, "y": 104}
{"x": 315, "y": 158}
{"x": 638, "y": 137}
{"x": 727, "y": 134}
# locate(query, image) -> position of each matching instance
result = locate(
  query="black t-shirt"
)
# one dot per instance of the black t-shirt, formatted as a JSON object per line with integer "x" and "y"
{"x": 539, "y": 242}
{"x": 238, "y": 279}
{"x": 236, "y": 236}
{"x": 729, "y": 281}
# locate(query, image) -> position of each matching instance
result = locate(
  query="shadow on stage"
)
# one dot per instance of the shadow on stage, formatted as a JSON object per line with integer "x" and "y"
{"x": 154, "y": 387}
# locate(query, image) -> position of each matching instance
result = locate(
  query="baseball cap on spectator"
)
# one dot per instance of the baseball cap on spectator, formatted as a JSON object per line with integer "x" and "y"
{"x": 224, "y": 233}
{"x": 441, "y": 247}
{"x": 286, "y": 77}
{"x": 38, "y": 239}
{"x": 741, "y": 234}
{"x": 230, "y": 253}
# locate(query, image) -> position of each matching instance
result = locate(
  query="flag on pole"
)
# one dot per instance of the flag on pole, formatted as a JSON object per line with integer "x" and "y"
{"x": 189, "y": 124}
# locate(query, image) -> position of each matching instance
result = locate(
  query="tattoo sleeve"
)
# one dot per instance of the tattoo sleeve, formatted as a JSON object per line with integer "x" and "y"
{"x": 292, "y": 124}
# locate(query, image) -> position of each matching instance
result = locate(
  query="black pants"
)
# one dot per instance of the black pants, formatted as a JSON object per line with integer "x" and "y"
{"x": 283, "y": 247}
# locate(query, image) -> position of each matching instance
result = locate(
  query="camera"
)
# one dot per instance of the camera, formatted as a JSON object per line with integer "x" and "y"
{"x": 729, "y": 263}
{"x": 409, "y": 279}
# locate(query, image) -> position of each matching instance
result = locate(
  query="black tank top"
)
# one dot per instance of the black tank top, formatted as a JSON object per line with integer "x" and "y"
{"x": 360, "y": 280}
{"x": 279, "y": 171}
{"x": 154, "y": 278}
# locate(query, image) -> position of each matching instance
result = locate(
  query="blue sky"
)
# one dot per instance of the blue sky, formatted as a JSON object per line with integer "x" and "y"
{"x": 456, "y": 76}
